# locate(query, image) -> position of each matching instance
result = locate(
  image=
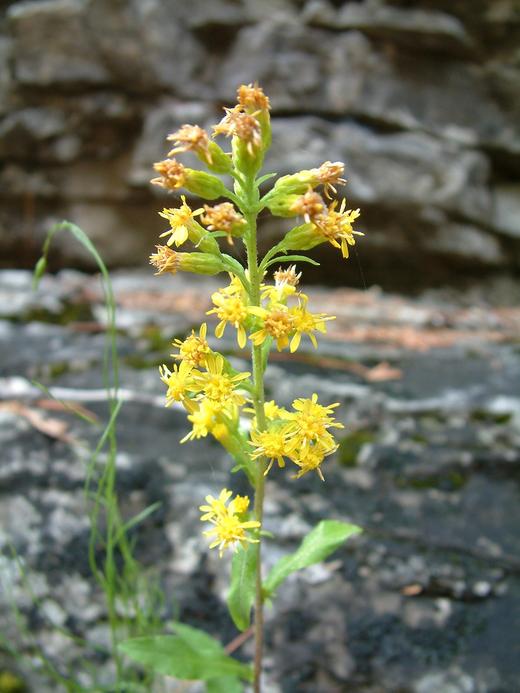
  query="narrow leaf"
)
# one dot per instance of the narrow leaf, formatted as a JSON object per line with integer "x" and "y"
{"x": 196, "y": 657}
{"x": 242, "y": 591}
{"x": 136, "y": 519}
{"x": 323, "y": 540}
{"x": 291, "y": 258}
{"x": 265, "y": 178}
{"x": 39, "y": 271}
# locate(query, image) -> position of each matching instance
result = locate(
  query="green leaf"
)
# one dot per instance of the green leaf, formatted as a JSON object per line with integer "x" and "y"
{"x": 226, "y": 684}
{"x": 242, "y": 592}
{"x": 190, "y": 654}
{"x": 39, "y": 271}
{"x": 291, "y": 258}
{"x": 140, "y": 517}
{"x": 265, "y": 178}
{"x": 323, "y": 540}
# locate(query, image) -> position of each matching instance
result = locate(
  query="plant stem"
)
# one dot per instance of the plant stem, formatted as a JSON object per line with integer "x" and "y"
{"x": 258, "y": 402}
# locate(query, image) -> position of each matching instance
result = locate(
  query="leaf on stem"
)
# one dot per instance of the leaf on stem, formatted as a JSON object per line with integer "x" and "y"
{"x": 242, "y": 591}
{"x": 190, "y": 654}
{"x": 291, "y": 258}
{"x": 323, "y": 540}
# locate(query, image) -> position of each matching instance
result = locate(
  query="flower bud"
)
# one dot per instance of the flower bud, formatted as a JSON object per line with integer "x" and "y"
{"x": 174, "y": 175}
{"x": 328, "y": 174}
{"x": 254, "y": 102}
{"x": 204, "y": 184}
{"x": 302, "y": 237}
{"x": 168, "y": 261}
{"x": 194, "y": 138}
{"x": 246, "y": 144}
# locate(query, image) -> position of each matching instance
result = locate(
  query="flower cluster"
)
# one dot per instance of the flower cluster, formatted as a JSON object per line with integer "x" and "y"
{"x": 274, "y": 320}
{"x": 263, "y": 314}
{"x": 301, "y": 435}
{"x": 229, "y": 520}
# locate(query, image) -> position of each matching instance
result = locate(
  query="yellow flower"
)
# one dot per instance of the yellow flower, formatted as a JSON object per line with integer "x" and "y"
{"x": 193, "y": 349}
{"x": 310, "y": 458}
{"x": 336, "y": 227}
{"x": 272, "y": 444}
{"x": 219, "y": 386}
{"x": 180, "y": 220}
{"x": 229, "y": 529}
{"x": 239, "y": 505}
{"x": 204, "y": 418}
{"x": 216, "y": 506}
{"x": 310, "y": 421}
{"x": 273, "y": 411}
{"x": 180, "y": 382}
{"x": 278, "y": 323}
{"x": 307, "y": 323}
{"x": 230, "y": 308}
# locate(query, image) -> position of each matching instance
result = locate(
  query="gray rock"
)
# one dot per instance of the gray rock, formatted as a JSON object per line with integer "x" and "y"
{"x": 52, "y": 45}
{"x": 435, "y": 30}
{"x": 145, "y": 46}
{"x": 506, "y": 209}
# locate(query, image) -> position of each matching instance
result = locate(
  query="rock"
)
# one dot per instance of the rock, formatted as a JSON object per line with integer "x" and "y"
{"x": 145, "y": 46}
{"x": 435, "y": 30}
{"x": 25, "y": 134}
{"x": 5, "y": 75}
{"x": 288, "y": 60}
{"x": 52, "y": 45}
{"x": 506, "y": 209}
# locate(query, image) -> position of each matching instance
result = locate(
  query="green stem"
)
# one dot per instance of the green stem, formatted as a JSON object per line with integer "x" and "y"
{"x": 258, "y": 402}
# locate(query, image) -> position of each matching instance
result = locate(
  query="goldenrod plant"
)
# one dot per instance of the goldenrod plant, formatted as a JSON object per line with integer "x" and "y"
{"x": 229, "y": 405}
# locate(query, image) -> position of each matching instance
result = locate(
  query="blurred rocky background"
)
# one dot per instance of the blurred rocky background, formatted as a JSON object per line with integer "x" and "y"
{"x": 420, "y": 98}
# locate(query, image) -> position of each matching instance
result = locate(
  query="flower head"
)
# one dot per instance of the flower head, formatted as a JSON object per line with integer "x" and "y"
{"x": 194, "y": 348}
{"x": 278, "y": 323}
{"x": 219, "y": 386}
{"x": 336, "y": 226}
{"x": 204, "y": 418}
{"x": 180, "y": 221}
{"x": 287, "y": 275}
{"x": 272, "y": 444}
{"x": 230, "y": 529}
{"x": 307, "y": 323}
{"x": 252, "y": 98}
{"x": 190, "y": 138}
{"x": 329, "y": 175}
{"x": 224, "y": 217}
{"x": 165, "y": 260}
{"x": 310, "y": 459}
{"x": 230, "y": 308}
{"x": 308, "y": 205}
{"x": 310, "y": 421}
{"x": 179, "y": 382}
{"x": 237, "y": 123}
{"x": 172, "y": 174}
